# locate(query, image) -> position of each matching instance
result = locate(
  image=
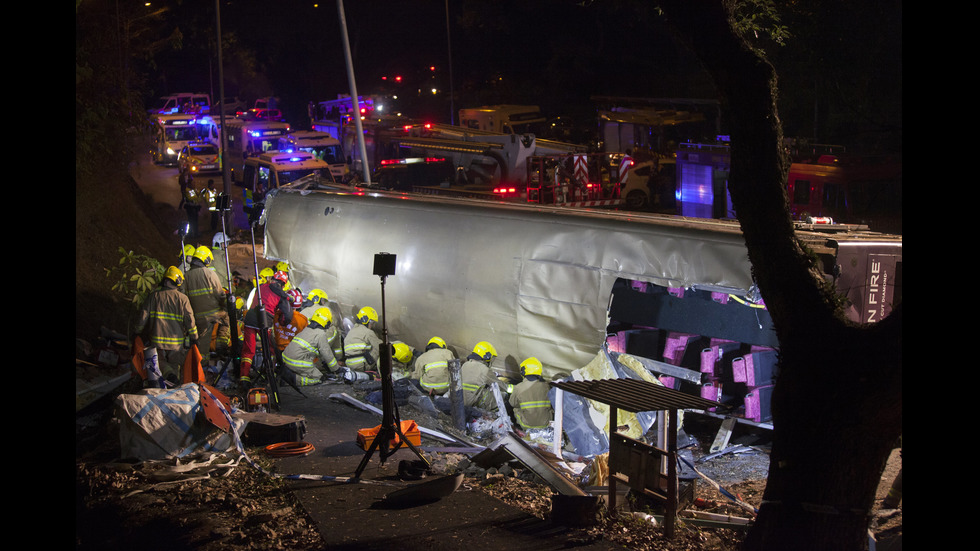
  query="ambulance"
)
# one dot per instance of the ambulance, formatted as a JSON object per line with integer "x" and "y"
{"x": 171, "y": 134}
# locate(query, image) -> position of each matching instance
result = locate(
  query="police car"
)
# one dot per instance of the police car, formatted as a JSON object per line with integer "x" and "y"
{"x": 199, "y": 158}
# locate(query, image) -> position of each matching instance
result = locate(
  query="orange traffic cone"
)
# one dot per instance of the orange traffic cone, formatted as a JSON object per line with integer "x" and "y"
{"x": 193, "y": 372}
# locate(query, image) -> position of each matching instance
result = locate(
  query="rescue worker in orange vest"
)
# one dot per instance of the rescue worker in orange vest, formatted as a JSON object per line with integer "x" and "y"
{"x": 207, "y": 297}
{"x": 432, "y": 367}
{"x": 477, "y": 377}
{"x": 274, "y": 300}
{"x": 532, "y": 408}
{"x": 167, "y": 319}
{"x": 286, "y": 331}
{"x": 309, "y": 346}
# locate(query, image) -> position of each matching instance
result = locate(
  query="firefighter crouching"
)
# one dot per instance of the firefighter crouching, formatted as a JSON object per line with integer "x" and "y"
{"x": 362, "y": 344}
{"x": 432, "y": 367}
{"x": 310, "y": 345}
{"x": 532, "y": 408}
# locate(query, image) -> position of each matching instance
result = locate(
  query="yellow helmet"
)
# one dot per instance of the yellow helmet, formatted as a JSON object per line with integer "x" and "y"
{"x": 239, "y": 304}
{"x": 402, "y": 352}
{"x": 366, "y": 315}
{"x": 174, "y": 274}
{"x": 282, "y": 266}
{"x": 188, "y": 250}
{"x": 323, "y": 316}
{"x": 265, "y": 275}
{"x": 485, "y": 351}
{"x": 318, "y": 296}
{"x": 531, "y": 366}
{"x": 204, "y": 255}
{"x": 436, "y": 341}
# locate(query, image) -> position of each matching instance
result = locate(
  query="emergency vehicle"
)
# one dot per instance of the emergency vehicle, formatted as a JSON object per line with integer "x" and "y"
{"x": 322, "y": 146}
{"x": 274, "y": 169}
{"x": 250, "y": 138}
{"x": 850, "y": 190}
{"x": 505, "y": 119}
{"x": 171, "y": 134}
{"x": 184, "y": 102}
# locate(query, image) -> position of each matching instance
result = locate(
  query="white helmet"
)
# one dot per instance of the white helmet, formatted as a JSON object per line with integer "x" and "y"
{"x": 219, "y": 240}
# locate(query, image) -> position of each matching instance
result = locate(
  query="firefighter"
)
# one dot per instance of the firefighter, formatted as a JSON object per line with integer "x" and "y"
{"x": 167, "y": 320}
{"x": 185, "y": 256}
{"x": 432, "y": 367}
{"x": 307, "y": 347}
{"x": 401, "y": 358}
{"x": 532, "y": 408}
{"x": 314, "y": 301}
{"x": 362, "y": 344}
{"x": 283, "y": 266}
{"x": 208, "y": 302}
{"x": 477, "y": 377}
{"x": 274, "y": 300}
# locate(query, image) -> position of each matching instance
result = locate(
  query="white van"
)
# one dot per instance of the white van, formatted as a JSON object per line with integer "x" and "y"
{"x": 171, "y": 134}
{"x": 322, "y": 146}
{"x": 184, "y": 102}
{"x": 250, "y": 138}
{"x": 274, "y": 169}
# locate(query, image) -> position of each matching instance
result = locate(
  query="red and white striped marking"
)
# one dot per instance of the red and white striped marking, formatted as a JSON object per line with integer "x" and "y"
{"x": 599, "y": 203}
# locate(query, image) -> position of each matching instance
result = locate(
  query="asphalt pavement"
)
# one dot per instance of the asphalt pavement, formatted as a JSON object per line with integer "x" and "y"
{"x": 357, "y": 515}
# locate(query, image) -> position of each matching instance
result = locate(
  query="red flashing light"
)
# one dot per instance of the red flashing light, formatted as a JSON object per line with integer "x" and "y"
{"x": 434, "y": 159}
{"x": 398, "y": 78}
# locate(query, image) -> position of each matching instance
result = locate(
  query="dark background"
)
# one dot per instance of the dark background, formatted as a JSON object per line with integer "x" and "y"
{"x": 840, "y": 68}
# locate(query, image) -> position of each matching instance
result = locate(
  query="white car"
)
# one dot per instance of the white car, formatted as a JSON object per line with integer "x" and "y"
{"x": 199, "y": 158}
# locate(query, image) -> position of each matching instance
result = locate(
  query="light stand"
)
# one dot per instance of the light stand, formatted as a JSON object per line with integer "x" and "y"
{"x": 384, "y": 265}
{"x": 223, "y": 204}
{"x": 266, "y": 332}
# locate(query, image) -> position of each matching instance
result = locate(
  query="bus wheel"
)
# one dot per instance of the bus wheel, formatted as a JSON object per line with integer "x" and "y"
{"x": 636, "y": 199}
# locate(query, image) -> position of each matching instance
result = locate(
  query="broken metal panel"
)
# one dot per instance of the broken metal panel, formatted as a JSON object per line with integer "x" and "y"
{"x": 635, "y": 395}
{"x": 871, "y": 282}
{"x": 663, "y": 368}
{"x": 532, "y": 459}
{"x": 532, "y": 280}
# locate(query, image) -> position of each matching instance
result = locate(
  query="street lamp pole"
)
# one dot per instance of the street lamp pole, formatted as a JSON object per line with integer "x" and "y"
{"x": 353, "y": 95}
{"x": 225, "y": 169}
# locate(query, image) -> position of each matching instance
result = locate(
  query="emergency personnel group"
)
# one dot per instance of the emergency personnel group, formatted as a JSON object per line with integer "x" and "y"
{"x": 308, "y": 342}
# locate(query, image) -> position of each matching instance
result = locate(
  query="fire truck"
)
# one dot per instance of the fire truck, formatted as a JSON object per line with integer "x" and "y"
{"x": 503, "y": 119}
{"x": 848, "y": 189}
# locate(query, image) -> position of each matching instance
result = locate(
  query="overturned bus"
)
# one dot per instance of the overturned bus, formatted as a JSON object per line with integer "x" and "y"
{"x": 556, "y": 283}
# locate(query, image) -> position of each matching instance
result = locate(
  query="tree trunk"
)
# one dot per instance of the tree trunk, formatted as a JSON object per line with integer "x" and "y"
{"x": 837, "y": 402}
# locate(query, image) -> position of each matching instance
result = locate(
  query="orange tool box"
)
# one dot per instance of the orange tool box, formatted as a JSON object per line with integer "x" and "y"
{"x": 365, "y": 437}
